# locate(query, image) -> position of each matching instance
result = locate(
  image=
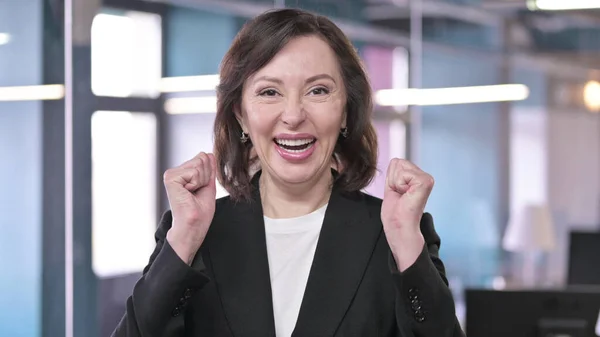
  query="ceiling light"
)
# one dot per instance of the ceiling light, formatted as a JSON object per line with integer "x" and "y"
{"x": 591, "y": 95}
{"x": 562, "y": 5}
{"x": 457, "y": 95}
{"x": 191, "y": 105}
{"x": 4, "y": 38}
{"x": 32, "y": 92}
{"x": 189, "y": 83}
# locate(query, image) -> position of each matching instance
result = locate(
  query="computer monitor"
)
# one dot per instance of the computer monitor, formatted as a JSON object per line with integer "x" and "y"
{"x": 532, "y": 313}
{"x": 584, "y": 254}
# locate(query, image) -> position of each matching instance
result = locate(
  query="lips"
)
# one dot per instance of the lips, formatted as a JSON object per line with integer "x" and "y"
{"x": 295, "y": 145}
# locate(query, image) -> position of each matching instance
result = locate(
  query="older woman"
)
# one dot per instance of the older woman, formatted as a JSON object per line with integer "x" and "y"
{"x": 296, "y": 249}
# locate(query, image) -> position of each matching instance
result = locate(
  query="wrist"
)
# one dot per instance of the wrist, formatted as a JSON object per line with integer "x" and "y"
{"x": 185, "y": 245}
{"x": 406, "y": 246}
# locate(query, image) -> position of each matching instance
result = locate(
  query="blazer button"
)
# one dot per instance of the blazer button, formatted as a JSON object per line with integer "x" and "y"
{"x": 413, "y": 293}
{"x": 187, "y": 293}
{"x": 415, "y": 305}
{"x": 419, "y": 316}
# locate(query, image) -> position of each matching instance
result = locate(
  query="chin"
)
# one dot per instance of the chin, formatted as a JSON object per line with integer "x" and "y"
{"x": 296, "y": 174}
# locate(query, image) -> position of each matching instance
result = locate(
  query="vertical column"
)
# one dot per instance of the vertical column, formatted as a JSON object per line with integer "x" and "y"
{"x": 80, "y": 281}
{"x": 504, "y": 131}
{"x": 415, "y": 77}
{"x": 53, "y": 185}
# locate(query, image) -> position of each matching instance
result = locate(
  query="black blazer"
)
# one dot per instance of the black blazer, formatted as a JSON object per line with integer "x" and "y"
{"x": 354, "y": 287}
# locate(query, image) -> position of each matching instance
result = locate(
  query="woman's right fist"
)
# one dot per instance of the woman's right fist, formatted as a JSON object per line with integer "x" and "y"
{"x": 191, "y": 189}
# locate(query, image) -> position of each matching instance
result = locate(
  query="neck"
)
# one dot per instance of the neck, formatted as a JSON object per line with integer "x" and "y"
{"x": 281, "y": 200}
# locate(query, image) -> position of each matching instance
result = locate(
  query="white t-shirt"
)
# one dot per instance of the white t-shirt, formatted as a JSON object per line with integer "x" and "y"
{"x": 291, "y": 245}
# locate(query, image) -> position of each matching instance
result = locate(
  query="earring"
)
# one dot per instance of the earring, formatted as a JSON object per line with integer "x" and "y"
{"x": 344, "y": 132}
{"x": 244, "y": 138}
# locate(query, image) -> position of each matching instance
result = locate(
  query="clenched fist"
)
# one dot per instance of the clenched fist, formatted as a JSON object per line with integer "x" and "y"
{"x": 191, "y": 189}
{"x": 407, "y": 189}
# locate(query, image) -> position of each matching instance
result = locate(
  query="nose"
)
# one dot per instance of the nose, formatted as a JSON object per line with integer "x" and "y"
{"x": 294, "y": 113}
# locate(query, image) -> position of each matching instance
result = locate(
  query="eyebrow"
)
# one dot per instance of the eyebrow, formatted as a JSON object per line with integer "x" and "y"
{"x": 308, "y": 80}
{"x": 320, "y": 77}
{"x": 268, "y": 79}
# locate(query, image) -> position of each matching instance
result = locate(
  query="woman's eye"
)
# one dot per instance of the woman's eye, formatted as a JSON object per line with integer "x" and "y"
{"x": 268, "y": 92}
{"x": 319, "y": 91}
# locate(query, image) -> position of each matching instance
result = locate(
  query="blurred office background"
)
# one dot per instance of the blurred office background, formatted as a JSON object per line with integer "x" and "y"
{"x": 503, "y": 111}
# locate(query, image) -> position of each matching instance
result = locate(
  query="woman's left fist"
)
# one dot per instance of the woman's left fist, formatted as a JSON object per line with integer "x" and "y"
{"x": 407, "y": 189}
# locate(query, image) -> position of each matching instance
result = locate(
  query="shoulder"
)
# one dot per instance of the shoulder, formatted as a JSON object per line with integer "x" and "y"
{"x": 371, "y": 203}
{"x": 224, "y": 203}
{"x": 371, "y": 200}
{"x": 227, "y": 207}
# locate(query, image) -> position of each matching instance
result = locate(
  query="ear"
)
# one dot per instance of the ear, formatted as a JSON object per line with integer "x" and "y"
{"x": 238, "y": 115}
{"x": 344, "y": 119}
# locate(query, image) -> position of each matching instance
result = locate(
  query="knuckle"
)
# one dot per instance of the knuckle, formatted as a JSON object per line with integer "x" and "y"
{"x": 196, "y": 162}
{"x": 168, "y": 174}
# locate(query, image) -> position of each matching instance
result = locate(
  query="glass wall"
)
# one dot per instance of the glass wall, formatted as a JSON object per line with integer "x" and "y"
{"x": 126, "y": 53}
{"x": 126, "y": 64}
{"x": 20, "y": 169}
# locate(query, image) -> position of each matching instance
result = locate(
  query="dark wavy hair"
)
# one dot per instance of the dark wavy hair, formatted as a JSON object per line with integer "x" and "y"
{"x": 259, "y": 40}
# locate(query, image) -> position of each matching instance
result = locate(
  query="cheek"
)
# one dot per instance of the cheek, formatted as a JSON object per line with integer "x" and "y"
{"x": 329, "y": 120}
{"x": 260, "y": 120}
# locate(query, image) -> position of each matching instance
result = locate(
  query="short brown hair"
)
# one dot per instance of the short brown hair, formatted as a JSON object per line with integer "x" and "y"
{"x": 259, "y": 40}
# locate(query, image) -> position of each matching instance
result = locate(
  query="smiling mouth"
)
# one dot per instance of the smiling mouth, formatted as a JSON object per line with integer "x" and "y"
{"x": 295, "y": 145}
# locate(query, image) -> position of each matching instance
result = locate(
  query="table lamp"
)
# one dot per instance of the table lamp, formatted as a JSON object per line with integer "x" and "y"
{"x": 529, "y": 233}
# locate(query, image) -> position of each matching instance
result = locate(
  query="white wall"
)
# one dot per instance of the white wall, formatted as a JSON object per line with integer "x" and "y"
{"x": 555, "y": 159}
{"x": 573, "y": 179}
{"x": 528, "y": 158}
{"x": 574, "y": 167}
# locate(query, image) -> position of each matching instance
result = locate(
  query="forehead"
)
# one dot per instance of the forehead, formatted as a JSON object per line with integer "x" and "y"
{"x": 303, "y": 56}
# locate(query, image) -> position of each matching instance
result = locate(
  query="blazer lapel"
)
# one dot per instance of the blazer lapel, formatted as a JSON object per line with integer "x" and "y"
{"x": 347, "y": 240}
{"x": 238, "y": 252}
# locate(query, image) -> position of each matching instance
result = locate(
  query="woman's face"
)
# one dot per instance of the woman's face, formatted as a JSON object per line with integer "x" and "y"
{"x": 293, "y": 110}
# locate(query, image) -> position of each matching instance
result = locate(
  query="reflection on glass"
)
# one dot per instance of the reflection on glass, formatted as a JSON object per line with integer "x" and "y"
{"x": 400, "y": 73}
{"x": 124, "y": 197}
{"x": 397, "y": 139}
{"x": 126, "y": 54}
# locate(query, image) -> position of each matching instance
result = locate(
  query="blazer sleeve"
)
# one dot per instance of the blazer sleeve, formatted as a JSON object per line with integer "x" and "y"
{"x": 424, "y": 303}
{"x": 156, "y": 307}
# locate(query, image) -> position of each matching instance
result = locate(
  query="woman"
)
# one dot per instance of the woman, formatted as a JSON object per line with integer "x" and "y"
{"x": 296, "y": 247}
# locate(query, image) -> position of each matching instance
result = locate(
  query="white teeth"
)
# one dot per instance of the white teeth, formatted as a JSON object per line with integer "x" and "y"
{"x": 293, "y": 142}
{"x": 298, "y": 151}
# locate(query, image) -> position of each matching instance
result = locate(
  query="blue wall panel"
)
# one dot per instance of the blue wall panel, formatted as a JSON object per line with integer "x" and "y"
{"x": 569, "y": 39}
{"x": 197, "y": 41}
{"x": 462, "y": 34}
{"x": 347, "y": 10}
{"x": 20, "y": 173}
{"x": 460, "y": 148}
{"x": 20, "y": 224}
